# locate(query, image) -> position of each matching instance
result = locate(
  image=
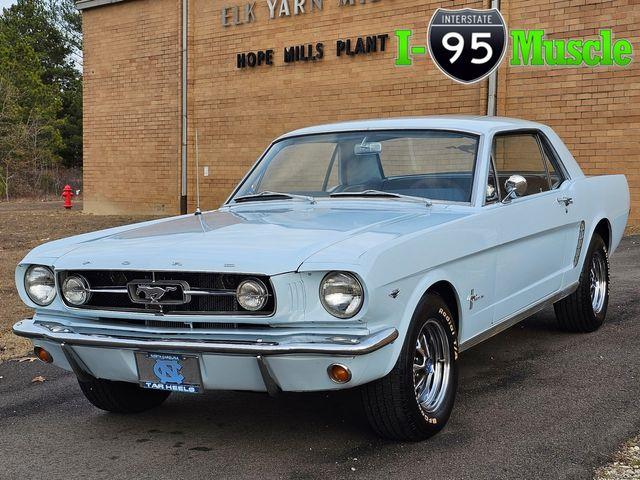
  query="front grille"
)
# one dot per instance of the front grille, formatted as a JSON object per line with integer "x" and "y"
{"x": 186, "y": 325}
{"x": 220, "y": 301}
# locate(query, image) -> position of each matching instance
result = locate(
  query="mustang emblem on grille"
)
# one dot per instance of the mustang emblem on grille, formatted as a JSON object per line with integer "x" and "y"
{"x": 160, "y": 292}
{"x": 153, "y": 293}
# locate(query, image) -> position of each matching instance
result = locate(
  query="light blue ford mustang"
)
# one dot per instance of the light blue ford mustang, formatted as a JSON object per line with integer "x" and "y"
{"x": 365, "y": 254}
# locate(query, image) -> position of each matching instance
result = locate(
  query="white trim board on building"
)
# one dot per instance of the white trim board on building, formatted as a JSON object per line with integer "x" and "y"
{"x": 85, "y": 4}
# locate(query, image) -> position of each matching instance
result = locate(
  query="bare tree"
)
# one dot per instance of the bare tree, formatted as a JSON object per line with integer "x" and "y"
{"x": 24, "y": 144}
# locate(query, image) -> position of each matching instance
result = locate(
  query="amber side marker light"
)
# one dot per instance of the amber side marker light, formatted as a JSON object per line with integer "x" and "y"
{"x": 339, "y": 373}
{"x": 43, "y": 355}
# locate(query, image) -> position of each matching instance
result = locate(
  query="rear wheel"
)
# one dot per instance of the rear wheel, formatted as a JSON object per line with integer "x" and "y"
{"x": 586, "y": 308}
{"x": 414, "y": 401}
{"x": 121, "y": 397}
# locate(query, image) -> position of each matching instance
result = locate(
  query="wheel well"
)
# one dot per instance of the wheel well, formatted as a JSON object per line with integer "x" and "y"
{"x": 449, "y": 295}
{"x": 603, "y": 228}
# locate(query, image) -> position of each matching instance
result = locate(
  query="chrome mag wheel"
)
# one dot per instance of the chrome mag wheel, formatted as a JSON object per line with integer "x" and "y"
{"x": 598, "y": 281}
{"x": 431, "y": 366}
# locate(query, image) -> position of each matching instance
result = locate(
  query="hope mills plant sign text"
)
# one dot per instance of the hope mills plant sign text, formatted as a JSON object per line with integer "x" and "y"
{"x": 315, "y": 51}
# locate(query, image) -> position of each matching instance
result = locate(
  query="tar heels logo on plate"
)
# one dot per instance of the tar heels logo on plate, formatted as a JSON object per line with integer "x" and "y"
{"x": 167, "y": 369}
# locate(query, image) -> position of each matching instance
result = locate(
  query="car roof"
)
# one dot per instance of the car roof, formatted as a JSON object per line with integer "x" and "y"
{"x": 478, "y": 124}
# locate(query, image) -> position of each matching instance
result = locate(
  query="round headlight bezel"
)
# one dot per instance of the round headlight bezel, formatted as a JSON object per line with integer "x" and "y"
{"x": 29, "y": 284}
{"x": 262, "y": 293}
{"x": 331, "y": 309}
{"x": 85, "y": 289}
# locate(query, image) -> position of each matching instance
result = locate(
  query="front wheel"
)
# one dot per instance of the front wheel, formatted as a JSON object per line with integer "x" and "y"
{"x": 586, "y": 308}
{"x": 414, "y": 401}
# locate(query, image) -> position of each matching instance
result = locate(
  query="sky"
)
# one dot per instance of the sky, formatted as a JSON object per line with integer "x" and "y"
{"x": 5, "y": 3}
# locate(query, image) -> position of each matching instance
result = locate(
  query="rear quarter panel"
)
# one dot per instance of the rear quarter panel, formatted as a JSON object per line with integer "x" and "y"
{"x": 596, "y": 198}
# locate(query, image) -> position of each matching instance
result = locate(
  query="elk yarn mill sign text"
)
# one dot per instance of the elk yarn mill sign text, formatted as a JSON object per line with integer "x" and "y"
{"x": 243, "y": 14}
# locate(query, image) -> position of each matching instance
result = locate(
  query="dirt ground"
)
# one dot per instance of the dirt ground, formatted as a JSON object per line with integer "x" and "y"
{"x": 626, "y": 465}
{"x": 23, "y": 226}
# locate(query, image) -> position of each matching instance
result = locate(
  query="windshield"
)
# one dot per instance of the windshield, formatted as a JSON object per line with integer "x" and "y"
{"x": 431, "y": 164}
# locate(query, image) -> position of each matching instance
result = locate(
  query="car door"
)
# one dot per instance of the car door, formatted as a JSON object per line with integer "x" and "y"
{"x": 533, "y": 249}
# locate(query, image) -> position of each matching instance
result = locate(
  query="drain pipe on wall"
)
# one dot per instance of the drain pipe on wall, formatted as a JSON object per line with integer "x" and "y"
{"x": 183, "y": 99}
{"x": 492, "y": 90}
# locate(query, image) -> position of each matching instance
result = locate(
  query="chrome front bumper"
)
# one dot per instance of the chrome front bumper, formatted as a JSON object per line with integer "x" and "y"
{"x": 347, "y": 345}
{"x": 290, "y": 362}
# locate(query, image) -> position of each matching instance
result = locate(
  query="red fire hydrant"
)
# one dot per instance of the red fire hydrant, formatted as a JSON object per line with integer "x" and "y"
{"x": 67, "y": 193}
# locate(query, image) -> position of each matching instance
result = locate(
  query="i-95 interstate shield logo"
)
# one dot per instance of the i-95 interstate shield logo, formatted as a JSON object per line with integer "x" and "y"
{"x": 467, "y": 44}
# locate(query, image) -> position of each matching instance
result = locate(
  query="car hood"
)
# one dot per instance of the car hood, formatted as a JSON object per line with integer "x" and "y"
{"x": 267, "y": 239}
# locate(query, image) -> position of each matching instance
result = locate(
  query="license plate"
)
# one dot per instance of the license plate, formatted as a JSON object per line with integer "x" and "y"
{"x": 169, "y": 371}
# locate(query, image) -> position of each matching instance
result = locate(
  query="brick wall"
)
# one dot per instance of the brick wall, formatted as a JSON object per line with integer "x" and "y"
{"x": 596, "y": 111}
{"x": 238, "y": 112}
{"x": 131, "y": 107}
{"x": 132, "y": 82}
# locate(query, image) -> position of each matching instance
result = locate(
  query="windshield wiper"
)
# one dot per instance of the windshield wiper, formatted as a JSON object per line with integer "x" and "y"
{"x": 380, "y": 193}
{"x": 267, "y": 195}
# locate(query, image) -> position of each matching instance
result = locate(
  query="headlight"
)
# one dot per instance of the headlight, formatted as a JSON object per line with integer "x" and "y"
{"x": 75, "y": 290}
{"x": 40, "y": 284}
{"x": 252, "y": 294}
{"x": 341, "y": 294}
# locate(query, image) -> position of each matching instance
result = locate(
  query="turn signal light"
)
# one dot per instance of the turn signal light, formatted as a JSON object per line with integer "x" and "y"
{"x": 43, "y": 355}
{"x": 339, "y": 373}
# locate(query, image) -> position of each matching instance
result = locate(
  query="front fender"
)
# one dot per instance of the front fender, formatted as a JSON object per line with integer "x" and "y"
{"x": 415, "y": 287}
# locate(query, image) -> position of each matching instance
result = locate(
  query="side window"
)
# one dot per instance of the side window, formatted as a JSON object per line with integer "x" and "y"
{"x": 520, "y": 154}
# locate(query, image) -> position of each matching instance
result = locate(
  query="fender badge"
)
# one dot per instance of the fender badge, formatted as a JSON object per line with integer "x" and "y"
{"x": 394, "y": 293}
{"x": 473, "y": 297}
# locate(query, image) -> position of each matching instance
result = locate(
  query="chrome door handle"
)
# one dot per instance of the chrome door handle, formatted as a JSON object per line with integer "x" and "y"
{"x": 566, "y": 200}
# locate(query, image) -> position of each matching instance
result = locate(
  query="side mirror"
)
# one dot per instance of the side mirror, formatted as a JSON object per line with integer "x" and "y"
{"x": 515, "y": 186}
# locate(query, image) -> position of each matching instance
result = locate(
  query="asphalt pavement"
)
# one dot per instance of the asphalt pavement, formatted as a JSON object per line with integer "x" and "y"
{"x": 533, "y": 402}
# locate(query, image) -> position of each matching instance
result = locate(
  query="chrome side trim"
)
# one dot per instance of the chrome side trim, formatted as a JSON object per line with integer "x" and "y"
{"x": 518, "y": 317}
{"x": 576, "y": 257}
{"x": 310, "y": 343}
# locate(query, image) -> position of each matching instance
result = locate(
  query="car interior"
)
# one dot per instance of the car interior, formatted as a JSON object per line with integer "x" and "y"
{"x": 359, "y": 172}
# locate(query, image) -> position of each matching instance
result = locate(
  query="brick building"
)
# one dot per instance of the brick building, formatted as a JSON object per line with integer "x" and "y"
{"x": 137, "y": 103}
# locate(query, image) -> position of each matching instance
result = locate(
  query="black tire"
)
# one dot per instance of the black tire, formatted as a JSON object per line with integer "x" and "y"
{"x": 121, "y": 397}
{"x": 390, "y": 403}
{"x": 576, "y": 313}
